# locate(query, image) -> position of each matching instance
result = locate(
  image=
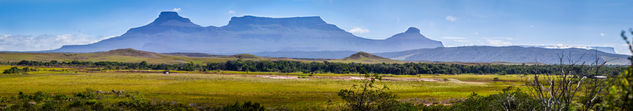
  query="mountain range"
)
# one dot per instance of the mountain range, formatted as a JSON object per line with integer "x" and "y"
{"x": 514, "y": 54}
{"x": 312, "y": 37}
{"x": 250, "y": 34}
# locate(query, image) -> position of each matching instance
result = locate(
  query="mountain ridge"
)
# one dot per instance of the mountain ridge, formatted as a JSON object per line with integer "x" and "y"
{"x": 170, "y": 32}
{"x": 514, "y": 54}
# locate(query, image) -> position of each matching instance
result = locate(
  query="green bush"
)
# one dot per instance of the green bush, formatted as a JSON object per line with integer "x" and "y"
{"x": 509, "y": 99}
{"x": 98, "y": 101}
{"x": 434, "y": 107}
{"x": 16, "y": 70}
{"x": 368, "y": 97}
{"x": 246, "y": 106}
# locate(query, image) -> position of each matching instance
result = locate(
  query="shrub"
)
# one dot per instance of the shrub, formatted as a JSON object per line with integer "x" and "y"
{"x": 87, "y": 100}
{"x": 15, "y": 70}
{"x": 246, "y": 106}
{"x": 368, "y": 97}
{"x": 434, "y": 107}
{"x": 107, "y": 101}
{"x": 509, "y": 99}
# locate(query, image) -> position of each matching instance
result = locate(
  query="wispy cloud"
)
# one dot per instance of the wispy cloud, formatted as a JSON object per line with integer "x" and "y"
{"x": 466, "y": 41}
{"x": 43, "y": 42}
{"x": 498, "y": 42}
{"x": 231, "y": 12}
{"x": 451, "y": 18}
{"x": 176, "y": 9}
{"x": 358, "y": 30}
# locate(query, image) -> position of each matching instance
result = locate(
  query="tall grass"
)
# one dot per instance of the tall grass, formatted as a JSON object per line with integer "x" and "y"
{"x": 225, "y": 88}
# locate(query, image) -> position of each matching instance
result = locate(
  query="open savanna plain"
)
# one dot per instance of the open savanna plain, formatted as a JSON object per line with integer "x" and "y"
{"x": 271, "y": 89}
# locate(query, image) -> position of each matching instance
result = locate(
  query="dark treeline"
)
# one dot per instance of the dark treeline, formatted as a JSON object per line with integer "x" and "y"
{"x": 339, "y": 68}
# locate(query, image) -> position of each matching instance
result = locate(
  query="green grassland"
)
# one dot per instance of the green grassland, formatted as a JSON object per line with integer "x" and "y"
{"x": 123, "y": 55}
{"x": 226, "y": 87}
{"x": 131, "y": 55}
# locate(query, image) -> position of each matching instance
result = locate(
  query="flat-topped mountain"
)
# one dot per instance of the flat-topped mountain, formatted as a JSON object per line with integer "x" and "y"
{"x": 250, "y": 34}
{"x": 513, "y": 54}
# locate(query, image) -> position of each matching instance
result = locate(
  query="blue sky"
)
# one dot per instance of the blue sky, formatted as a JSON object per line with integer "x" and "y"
{"x": 27, "y": 25}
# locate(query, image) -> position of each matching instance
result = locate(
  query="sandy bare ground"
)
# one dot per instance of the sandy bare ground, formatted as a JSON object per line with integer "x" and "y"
{"x": 466, "y": 82}
{"x": 434, "y": 80}
{"x": 277, "y": 77}
{"x": 359, "y": 78}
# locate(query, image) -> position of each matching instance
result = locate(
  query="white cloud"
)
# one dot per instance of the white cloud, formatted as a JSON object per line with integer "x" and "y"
{"x": 43, "y": 42}
{"x": 231, "y": 12}
{"x": 176, "y": 9}
{"x": 4, "y": 36}
{"x": 496, "y": 42}
{"x": 451, "y": 18}
{"x": 602, "y": 34}
{"x": 452, "y": 41}
{"x": 358, "y": 30}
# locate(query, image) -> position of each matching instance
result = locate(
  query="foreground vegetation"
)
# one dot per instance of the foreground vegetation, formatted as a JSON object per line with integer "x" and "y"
{"x": 291, "y": 85}
{"x": 227, "y": 89}
{"x": 330, "y": 67}
{"x": 186, "y": 91}
{"x": 104, "y": 101}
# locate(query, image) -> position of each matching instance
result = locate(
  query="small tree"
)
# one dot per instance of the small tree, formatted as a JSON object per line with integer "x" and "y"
{"x": 623, "y": 90}
{"x": 367, "y": 96}
{"x": 508, "y": 100}
{"x": 15, "y": 70}
{"x": 559, "y": 91}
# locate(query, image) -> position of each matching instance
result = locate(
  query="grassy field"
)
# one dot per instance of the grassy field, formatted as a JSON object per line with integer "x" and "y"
{"x": 228, "y": 87}
{"x": 131, "y": 55}
{"x": 121, "y": 55}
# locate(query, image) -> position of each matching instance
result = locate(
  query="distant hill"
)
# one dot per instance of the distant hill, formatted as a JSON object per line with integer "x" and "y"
{"x": 130, "y": 52}
{"x": 514, "y": 54}
{"x": 363, "y": 55}
{"x": 308, "y": 54}
{"x": 193, "y": 54}
{"x": 243, "y": 56}
{"x": 126, "y": 55}
{"x": 599, "y": 48}
{"x": 133, "y": 55}
{"x": 171, "y": 33}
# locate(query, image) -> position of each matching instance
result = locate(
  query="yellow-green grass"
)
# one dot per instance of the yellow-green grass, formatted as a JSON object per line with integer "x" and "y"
{"x": 95, "y": 57}
{"x": 40, "y": 70}
{"x": 154, "y": 59}
{"x": 367, "y": 60}
{"x": 228, "y": 88}
{"x": 131, "y": 55}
